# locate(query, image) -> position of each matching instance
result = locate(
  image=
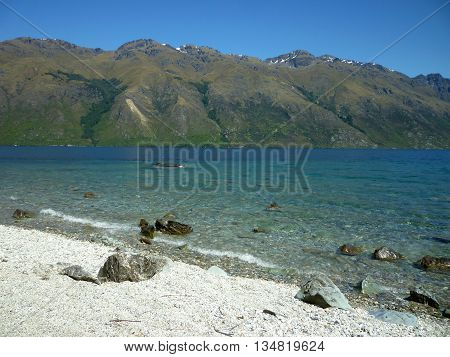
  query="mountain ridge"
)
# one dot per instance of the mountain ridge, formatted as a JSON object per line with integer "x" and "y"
{"x": 204, "y": 96}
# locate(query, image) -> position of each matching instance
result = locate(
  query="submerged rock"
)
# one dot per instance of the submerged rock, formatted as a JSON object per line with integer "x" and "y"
{"x": 446, "y": 312}
{"x": 260, "y": 230}
{"x": 172, "y": 227}
{"x": 371, "y": 288}
{"x": 273, "y": 207}
{"x": 19, "y": 214}
{"x": 217, "y": 271}
{"x": 422, "y": 296}
{"x": 434, "y": 263}
{"x": 89, "y": 194}
{"x": 167, "y": 164}
{"x": 348, "y": 249}
{"x": 129, "y": 267}
{"x": 76, "y": 272}
{"x": 321, "y": 291}
{"x": 145, "y": 240}
{"x": 394, "y": 317}
{"x": 384, "y": 253}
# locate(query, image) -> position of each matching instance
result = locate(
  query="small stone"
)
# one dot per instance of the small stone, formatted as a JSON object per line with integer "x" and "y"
{"x": 76, "y": 272}
{"x": 395, "y": 317}
{"x": 387, "y": 254}
{"x": 260, "y": 230}
{"x": 217, "y": 271}
{"x": 348, "y": 249}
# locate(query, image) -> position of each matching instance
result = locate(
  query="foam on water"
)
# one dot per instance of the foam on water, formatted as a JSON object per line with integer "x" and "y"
{"x": 87, "y": 221}
{"x": 245, "y": 257}
{"x": 12, "y": 198}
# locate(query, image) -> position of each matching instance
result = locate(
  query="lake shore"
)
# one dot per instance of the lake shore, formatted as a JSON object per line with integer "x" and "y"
{"x": 180, "y": 300}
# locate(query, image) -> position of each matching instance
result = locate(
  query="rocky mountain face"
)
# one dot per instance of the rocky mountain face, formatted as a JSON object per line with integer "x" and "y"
{"x": 56, "y": 93}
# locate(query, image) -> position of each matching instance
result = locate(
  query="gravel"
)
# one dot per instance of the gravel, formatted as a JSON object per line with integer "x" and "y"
{"x": 180, "y": 300}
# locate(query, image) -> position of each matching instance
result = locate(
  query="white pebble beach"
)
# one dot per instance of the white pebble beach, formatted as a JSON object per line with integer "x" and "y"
{"x": 180, "y": 300}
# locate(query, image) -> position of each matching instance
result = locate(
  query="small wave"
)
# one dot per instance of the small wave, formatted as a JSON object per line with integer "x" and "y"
{"x": 245, "y": 257}
{"x": 90, "y": 222}
{"x": 177, "y": 243}
{"x": 13, "y": 198}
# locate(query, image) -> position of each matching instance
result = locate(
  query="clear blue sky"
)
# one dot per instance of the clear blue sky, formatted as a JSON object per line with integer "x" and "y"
{"x": 347, "y": 29}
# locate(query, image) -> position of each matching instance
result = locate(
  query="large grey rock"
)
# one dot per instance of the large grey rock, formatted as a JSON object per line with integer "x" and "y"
{"x": 76, "y": 272}
{"x": 371, "y": 287}
{"x": 129, "y": 267}
{"x": 321, "y": 291}
{"x": 422, "y": 296}
{"x": 217, "y": 271}
{"x": 395, "y": 317}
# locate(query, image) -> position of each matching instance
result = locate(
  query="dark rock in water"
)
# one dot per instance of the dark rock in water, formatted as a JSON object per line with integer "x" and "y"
{"x": 19, "y": 214}
{"x": 260, "y": 230}
{"x": 446, "y": 312}
{"x": 168, "y": 164}
{"x": 372, "y": 288}
{"x": 395, "y": 317}
{"x": 321, "y": 291}
{"x": 348, "y": 249}
{"x": 143, "y": 223}
{"x": 439, "y": 239}
{"x": 434, "y": 263}
{"x": 76, "y": 272}
{"x": 388, "y": 254}
{"x": 172, "y": 227}
{"x": 422, "y": 296}
{"x": 129, "y": 267}
{"x": 89, "y": 195}
{"x": 273, "y": 207}
{"x": 147, "y": 230}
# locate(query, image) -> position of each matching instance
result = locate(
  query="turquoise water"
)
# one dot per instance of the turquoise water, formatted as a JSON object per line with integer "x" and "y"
{"x": 398, "y": 198}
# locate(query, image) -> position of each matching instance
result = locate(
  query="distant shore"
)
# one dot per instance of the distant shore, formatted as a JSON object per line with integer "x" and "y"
{"x": 180, "y": 300}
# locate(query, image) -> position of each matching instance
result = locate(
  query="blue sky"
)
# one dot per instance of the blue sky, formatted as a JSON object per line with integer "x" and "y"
{"x": 347, "y": 29}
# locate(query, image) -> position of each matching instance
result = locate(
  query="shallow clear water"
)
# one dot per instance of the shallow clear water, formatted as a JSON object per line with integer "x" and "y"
{"x": 398, "y": 198}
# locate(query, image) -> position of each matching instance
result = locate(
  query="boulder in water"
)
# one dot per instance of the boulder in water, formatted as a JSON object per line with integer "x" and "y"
{"x": 19, "y": 214}
{"x": 321, "y": 291}
{"x": 260, "y": 230}
{"x": 121, "y": 267}
{"x": 434, "y": 263}
{"x": 384, "y": 253}
{"x": 394, "y": 317}
{"x": 349, "y": 249}
{"x": 172, "y": 227}
{"x": 89, "y": 194}
{"x": 76, "y": 272}
{"x": 422, "y": 296}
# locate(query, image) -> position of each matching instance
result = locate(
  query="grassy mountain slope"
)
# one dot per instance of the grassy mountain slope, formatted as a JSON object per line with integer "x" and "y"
{"x": 53, "y": 92}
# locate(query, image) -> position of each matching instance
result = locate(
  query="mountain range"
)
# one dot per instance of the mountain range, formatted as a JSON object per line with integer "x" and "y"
{"x": 53, "y": 92}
